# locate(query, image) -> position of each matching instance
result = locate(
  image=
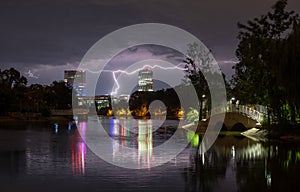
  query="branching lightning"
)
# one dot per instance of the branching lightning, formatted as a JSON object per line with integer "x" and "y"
{"x": 114, "y": 72}
{"x": 31, "y": 75}
{"x": 133, "y": 72}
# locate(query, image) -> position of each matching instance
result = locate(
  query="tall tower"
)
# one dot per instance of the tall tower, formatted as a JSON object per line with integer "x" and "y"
{"x": 79, "y": 84}
{"x": 145, "y": 80}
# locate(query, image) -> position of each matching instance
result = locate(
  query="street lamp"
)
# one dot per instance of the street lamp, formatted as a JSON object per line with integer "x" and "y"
{"x": 232, "y": 102}
{"x": 201, "y": 106}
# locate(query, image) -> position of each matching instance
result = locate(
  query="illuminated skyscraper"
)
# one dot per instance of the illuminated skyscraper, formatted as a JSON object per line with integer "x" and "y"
{"x": 79, "y": 84}
{"x": 145, "y": 80}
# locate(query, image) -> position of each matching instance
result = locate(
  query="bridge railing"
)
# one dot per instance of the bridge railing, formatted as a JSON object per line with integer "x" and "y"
{"x": 252, "y": 113}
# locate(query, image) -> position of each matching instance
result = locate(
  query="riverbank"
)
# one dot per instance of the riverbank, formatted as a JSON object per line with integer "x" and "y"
{"x": 33, "y": 119}
{"x": 256, "y": 134}
{"x": 287, "y": 133}
{"x": 290, "y": 134}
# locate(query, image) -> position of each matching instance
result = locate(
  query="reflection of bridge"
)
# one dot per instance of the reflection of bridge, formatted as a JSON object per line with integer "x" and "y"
{"x": 240, "y": 117}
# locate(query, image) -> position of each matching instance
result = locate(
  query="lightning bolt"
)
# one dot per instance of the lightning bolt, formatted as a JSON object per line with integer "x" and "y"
{"x": 31, "y": 75}
{"x": 114, "y": 72}
{"x": 133, "y": 72}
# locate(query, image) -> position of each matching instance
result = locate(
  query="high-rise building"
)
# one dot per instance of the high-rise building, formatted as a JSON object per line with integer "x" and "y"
{"x": 79, "y": 84}
{"x": 145, "y": 80}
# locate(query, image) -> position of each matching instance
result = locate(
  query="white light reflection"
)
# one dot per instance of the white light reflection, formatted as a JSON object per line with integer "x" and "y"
{"x": 269, "y": 180}
{"x": 122, "y": 132}
{"x": 233, "y": 152}
{"x": 145, "y": 143}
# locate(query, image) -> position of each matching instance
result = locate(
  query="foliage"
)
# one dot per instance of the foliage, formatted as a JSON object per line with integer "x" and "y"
{"x": 198, "y": 62}
{"x": 267, "y": 54}
{"x": 16, "y": 96}
{"x": 192, "y": 115}
{"x": 141, "y": 100}
{"x": 199, "y": 66}
{"x": 12, "y": 89}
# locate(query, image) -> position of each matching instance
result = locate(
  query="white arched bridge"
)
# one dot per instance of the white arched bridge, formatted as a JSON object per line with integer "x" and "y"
{"x": 257, "y": 113}
{"x": 240, "y": 117}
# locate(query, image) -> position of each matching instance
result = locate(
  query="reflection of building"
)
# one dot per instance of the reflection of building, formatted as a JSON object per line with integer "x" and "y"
{"x": 145, "y": 143}
{"x": 78, "y": 149}
{"x": 123, "y": 132}
{"x": 145, "y": 80}
{"x": 79, "y": 84}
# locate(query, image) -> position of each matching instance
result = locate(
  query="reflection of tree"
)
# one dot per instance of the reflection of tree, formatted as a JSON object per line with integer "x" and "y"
{"x": 203, "y": 175}
{"x": 277, "y": 169}
{"x": 284, "y": 166}
{"x": 250, "y": 175}
{"x": 253, "y": 166}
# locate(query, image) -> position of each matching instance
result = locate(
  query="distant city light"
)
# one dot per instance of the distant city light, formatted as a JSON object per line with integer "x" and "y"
{"x": 79, "y": 84}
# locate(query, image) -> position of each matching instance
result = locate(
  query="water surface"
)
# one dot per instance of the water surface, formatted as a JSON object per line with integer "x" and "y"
{"x": 36, "y": 157}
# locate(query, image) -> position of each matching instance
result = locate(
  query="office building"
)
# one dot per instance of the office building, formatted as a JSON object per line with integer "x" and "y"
{"x": 145, "y": 80}
{"x": 76, "y": 79}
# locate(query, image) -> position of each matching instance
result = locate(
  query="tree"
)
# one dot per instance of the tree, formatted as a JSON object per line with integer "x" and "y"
{"x": 59, "y": 95}
{"x": 16, "y": 96}
{"x": 199, "y": 66}
{"x": 256, "y": 80}
{"x": 13, "y": 85}
{"x": 287, "y": 70}
{"x": 35, "y": 98}
{"x": 197, "y": 63}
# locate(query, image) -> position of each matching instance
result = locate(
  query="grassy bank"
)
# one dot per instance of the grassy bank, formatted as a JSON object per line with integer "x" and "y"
{"x": 286, "y": 132}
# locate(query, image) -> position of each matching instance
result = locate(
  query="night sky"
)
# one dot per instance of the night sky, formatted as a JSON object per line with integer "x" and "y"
{"x": 41, "y": 38}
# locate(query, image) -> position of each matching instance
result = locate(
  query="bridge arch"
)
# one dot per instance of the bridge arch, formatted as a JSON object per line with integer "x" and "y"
{"x": 238, "y": 121}
{"x": 239, "y": 127}
{"x": 221, "y": 124}
{"x": 234, "y": 121}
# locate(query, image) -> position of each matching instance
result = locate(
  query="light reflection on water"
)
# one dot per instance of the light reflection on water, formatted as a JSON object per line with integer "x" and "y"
{"x": 132, "y": 141}
{"x": 143, "y": 140}
{"x": 36, "y": 158}
{"x": 78, "y": 148}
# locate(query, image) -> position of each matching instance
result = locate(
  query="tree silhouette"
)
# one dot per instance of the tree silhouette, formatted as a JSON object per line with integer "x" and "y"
{"x": 261, "y": 51}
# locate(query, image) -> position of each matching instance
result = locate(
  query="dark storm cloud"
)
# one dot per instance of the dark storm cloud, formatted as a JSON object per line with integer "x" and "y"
{"x": 143, "y": 52}
{"x": 37, "y": 33}
{"x": 57, "y": 33}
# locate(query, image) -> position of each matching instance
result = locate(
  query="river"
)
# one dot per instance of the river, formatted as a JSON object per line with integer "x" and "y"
{"x": 38, "y": 157}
